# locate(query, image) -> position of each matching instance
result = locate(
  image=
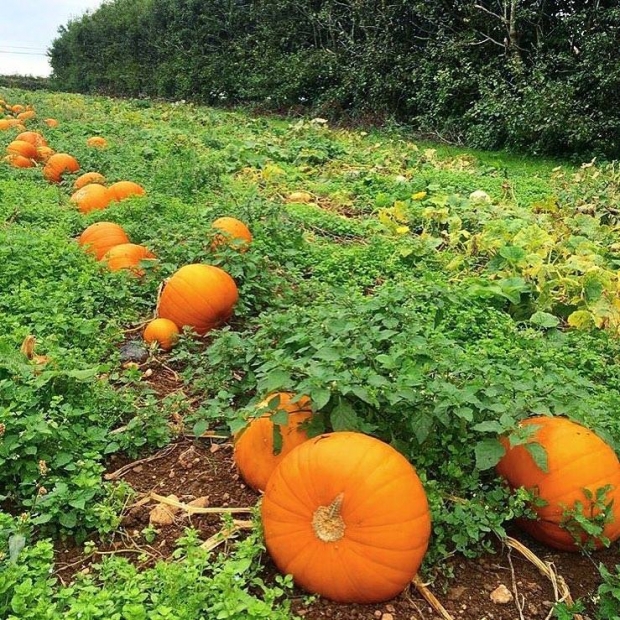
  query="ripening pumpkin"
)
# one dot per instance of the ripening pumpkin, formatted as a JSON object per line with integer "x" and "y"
{"x": 97, "y": 142}
{"x": 19, "y": 161}
{"x": 125, "y": 189}
{"x": 23, "y": 148}
{"x": 44, "y": 153}
{"x": 100, "y": 237}
{"x": 27, "y": 115}
{"x": 162, "y": 331}
{"x": 199, "y": 296}
{"x": 233, "y": 230}
{"x": 33, "y": 137}
{"x": 51, "y": 122}
{"x": 87, "y": 178}
{"x": 59, "y": 164}
{"x": 347, "y": 516}
{"x": 18, "y": 108}
{"x": 577, "y": 459}
{"x": 254, "y": 454}
{"x": 127, "y": 256}
{"x": 93, "y": 197}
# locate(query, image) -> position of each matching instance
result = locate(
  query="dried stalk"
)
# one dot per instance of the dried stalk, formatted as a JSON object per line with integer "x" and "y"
{"x": 121, "y": 471}
{"x": 561, "y": 591}
{"x": 431, "y": 599}
{"x": 197, "y": 510}
{"x": 226, "y": 533}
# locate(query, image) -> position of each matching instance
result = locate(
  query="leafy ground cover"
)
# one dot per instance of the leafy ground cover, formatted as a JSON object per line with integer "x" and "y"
{"x": 430, "y": 296}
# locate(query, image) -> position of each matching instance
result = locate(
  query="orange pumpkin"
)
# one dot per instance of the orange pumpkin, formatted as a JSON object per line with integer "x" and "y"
{"x": 125, "y": 189}
{"x": 87, "y": 178}
{"x": 91, "y": 197}
{"x": 199, "y": 296}
{"x": 162, "y": 331}
{"x": 18, "y": 161}
{"x": 577, "y": 459}
{"x": 100, "y": 237}
{"x": 27, "y": 115}
{"x": 59, "y": 164}
{"x": 254, "y": 453}
{"x": 97, "y": 142}
{"x": 234, "y": 232}
{"x": 347, "y": 516}
{"x": 127, "y": 256}
{"x": 51, "y": 122}
{"x": 33, "y": 137}
{"x": 18, "y": 108}
{"x": 44, "y": 153}
{"x": 23, "y": 148}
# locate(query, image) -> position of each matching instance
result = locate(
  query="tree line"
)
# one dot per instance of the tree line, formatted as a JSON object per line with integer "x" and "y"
{"x": 538, "y": 75}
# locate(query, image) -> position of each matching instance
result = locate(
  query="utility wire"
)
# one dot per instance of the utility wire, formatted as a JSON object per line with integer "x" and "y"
{"x": 22, "y": 53}
{"x": 23, "y": 47}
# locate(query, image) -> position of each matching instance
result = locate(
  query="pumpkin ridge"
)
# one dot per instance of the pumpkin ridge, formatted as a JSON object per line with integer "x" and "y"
{"x": 361, "y": 554}
{"x": 353, "y": 529}
{"x": 188, "y": 308}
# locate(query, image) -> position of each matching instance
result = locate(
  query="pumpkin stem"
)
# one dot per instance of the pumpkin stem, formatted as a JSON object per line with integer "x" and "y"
{"x": 327, "y": 522}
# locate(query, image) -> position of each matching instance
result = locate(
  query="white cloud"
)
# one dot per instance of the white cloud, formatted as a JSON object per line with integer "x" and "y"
{"x": 28, "y": 28}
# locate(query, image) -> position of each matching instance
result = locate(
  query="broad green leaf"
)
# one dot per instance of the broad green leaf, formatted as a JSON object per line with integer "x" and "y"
{"x": 544, "y": 319}
{"x": 581, "y": 319}
{"x": 343, "y": 417}
{"x": 488, "y": 453}
{"x": 16, "y": 544}
{"x": 539, "y": 454}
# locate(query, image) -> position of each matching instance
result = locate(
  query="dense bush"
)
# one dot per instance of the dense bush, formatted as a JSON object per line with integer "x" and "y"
{"x": 510, "y": 73}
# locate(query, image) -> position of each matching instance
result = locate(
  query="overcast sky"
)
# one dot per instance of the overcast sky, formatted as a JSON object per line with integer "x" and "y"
{"x": 27, "y": 29}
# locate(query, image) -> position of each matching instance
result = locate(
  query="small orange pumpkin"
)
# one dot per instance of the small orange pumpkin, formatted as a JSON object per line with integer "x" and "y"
{"x": 199, "y": 296}
{"x": 347, "y": 516}
{"x": 27, "y": 115}
{"x": 127, "y": 256}
{"x": 18, "y": 108}
{"x": 44, "y": 153}
{"x": 93, "y": 197}
{"x": 100, "y": 237}
{"x": 125, "y": 189}
{"x": 577, "y": 459}
{"x": 254, "y": 453}
{"x": 51, "y": 122}
{"x": 23, "y": 148}
{"x": 59, "y": 164}
{"x": 162, "y": 331}
{"x": 97, "y": 142}
{"x": 19, "y": 161}
{"x": 87, "y": 178}
{"x": 234, "y": 232}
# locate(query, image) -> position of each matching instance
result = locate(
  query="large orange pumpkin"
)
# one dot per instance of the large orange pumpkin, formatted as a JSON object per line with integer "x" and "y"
{"x": 577, "y": 459}
{"x": 100, "y": 237}
{"x": 125, "y": 189}
{"x": 87, "y": 178}
{"x": 162, "y": 331}
{"x": 254, "y": 454}
{"x": 93, "y": 197}
{"x": 127, "y": 256}
{"x": 23, "y": 148}
{"x": 59, "y": 164}
{"x": 44, "y": 153}
{"x": 233, "y": 230}
{"x": 199, "y": 296}
{"x": 347, "y": 516}
{"x": 33, "y": 137}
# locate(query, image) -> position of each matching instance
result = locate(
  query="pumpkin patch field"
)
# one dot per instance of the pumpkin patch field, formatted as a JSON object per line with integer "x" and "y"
{"x": 262, "y": 367}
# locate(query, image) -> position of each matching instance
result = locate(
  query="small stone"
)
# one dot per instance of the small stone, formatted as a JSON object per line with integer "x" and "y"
{"x": 377, "y": 613}
{"x": 390, "y": 608}
{"x": 533, "y": 609}
{"x": 387, "y": 616}
{"x": 456, "y": 593}
{"x": 137, "y": 469}
{"x": 133, "y": 351}
{"x": 501, "y": 595}
{"x": 214, "y": 448}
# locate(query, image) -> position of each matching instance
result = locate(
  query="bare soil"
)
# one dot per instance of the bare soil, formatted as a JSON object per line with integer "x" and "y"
{"x": 193, "y": 468}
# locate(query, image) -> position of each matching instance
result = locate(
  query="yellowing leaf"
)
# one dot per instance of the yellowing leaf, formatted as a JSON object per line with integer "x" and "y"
{"x": 402, "y": 230}
{"x": 581, "y": 319}
{"x": 419, "y": 196}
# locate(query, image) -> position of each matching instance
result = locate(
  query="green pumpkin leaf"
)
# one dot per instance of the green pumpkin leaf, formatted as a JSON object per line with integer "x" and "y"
{"x": 544, "y": 319}
{"x": 539, "y": 454}
{"x": 343, "y": 417}
{"x": 488, "y": 453}
{"x": 16, "y": 544}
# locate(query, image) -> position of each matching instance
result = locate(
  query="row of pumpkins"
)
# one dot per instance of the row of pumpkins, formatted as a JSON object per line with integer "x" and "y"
{"x": 344, "y": 513}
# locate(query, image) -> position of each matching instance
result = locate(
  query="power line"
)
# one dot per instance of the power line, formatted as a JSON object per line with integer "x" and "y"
{"x": 22, "y": 53}
{"x": 23, "y": 47}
